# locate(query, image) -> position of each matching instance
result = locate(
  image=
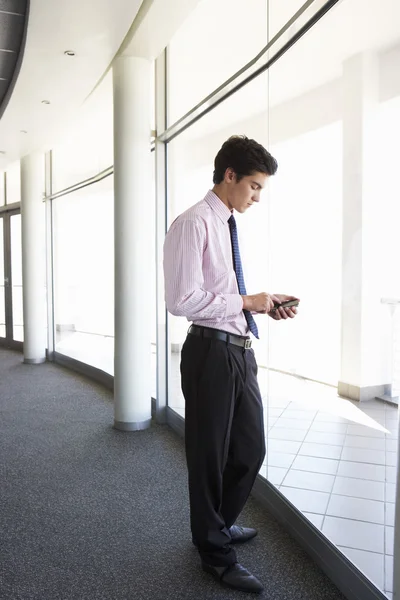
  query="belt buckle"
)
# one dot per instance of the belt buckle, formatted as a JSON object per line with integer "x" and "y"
{"x": 247, "y": 344}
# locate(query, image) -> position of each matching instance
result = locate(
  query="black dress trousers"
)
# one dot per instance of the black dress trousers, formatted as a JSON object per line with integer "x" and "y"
{"x": 224, "y": 439}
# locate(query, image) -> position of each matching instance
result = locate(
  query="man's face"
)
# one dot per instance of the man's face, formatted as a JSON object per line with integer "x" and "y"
{"x": 242, "y": 194}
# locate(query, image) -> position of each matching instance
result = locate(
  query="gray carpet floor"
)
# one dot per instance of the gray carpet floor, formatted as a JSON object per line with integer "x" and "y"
{"x": 87, "y": 512}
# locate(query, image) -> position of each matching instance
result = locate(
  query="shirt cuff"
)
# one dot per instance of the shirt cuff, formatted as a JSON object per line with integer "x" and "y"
{"x": 234, "y": 305}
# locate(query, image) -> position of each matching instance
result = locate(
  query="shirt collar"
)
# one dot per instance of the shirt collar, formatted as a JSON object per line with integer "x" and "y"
{"x": 221, "y": 210}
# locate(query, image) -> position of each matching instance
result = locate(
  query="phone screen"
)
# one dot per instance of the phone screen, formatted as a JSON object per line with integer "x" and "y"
{"x": 287, "y": 304}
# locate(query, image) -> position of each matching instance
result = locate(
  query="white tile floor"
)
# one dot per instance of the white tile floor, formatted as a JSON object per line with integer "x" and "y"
{"x": 335, "y": 460}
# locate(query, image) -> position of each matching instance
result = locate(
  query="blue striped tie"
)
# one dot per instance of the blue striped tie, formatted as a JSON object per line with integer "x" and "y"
{"x": 239, "y": 273}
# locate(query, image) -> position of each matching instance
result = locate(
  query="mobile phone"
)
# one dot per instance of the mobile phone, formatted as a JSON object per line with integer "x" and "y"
{"x": 287, "y": 304}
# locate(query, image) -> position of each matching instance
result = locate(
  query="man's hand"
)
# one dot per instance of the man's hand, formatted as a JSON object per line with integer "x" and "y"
{"x": 260, "y": 303}
{"x": 283, "y": 313}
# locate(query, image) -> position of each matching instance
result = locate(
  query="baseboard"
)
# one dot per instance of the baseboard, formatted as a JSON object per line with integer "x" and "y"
{"x": 176, "y": 348}
{"x": 389, "y": 399}
{"x": 176, "y": 422}
{"x": 65, "y": 327}
{"x": 93, "y": 373}
{"x": 363, "y": 394}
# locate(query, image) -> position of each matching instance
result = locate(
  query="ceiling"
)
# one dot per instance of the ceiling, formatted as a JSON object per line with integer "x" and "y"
{"x": 52, "y": 86}
{"x": 13, "y": 21}
{"x": 95, "y": 30}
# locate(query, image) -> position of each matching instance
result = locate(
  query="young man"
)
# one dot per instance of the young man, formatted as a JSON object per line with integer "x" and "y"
{"x": 224, "y": 431}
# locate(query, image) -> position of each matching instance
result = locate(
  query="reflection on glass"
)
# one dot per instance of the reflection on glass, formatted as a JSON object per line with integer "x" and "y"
{"x": 16, "y": 273}
{"x": 84, "y": 275}
{"x": 2, "y": 290}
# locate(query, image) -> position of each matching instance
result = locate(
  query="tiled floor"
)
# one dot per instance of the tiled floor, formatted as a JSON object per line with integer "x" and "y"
{"x": 335, "y": 460}
{"x": 342, "y": 474}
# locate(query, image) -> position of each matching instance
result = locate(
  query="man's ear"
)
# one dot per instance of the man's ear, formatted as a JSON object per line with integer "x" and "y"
{"x": 230, "y": 175}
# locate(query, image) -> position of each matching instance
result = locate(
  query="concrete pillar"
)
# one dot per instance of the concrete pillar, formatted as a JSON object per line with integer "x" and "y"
{"x": 33, "y": 257}
{"x": 132, "y": 188}
{"x": 364, "y": 357}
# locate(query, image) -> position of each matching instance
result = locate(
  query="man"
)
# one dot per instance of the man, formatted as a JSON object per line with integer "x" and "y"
{"x": 224, "y": 431}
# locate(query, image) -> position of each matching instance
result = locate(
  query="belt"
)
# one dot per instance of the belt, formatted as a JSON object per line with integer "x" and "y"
{"x": 229, "y": 338}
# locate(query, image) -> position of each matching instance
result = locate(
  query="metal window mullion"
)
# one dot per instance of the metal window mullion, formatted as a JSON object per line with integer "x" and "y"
{"x": 10, "y": 208}
{"x": 82, "y": 184}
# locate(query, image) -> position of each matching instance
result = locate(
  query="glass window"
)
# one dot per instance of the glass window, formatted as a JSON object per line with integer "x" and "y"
{"x": 312, "y": 198}
{"x": 327, "y": 232}
{"x": 190, "y": 172}
{"x": 13, "y": 183}
{"x": 84, "y": 274}
{"x": 2, "y": 189}
{"x": 331, "y": 207}
{"x": 88, "y": 148}
{"x": 216, "y": 40}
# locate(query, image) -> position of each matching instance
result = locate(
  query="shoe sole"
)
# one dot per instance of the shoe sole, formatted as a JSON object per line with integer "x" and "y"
{"x": 228, "y": 585}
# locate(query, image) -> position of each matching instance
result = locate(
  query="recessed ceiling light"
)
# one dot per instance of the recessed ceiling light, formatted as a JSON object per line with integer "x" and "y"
{"x": 69, "y": 53}
{"x": 45, "y": 101}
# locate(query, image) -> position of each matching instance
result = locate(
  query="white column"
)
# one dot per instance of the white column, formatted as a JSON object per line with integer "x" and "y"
{"x": 132, "y": 187}
{"x": 364, "y": 360}
{"x": 33, "y": 257}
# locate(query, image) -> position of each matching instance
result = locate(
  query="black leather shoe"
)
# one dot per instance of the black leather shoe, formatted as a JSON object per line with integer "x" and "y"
{"x": 236, "y": 577}
{"x": 239, "y": 535}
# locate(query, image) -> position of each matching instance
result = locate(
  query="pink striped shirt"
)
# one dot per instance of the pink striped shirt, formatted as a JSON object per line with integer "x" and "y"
{"x": 200, "y": 281}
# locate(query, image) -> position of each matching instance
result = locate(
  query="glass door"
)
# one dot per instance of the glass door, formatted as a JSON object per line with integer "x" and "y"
{"x": 11, "y": 313}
